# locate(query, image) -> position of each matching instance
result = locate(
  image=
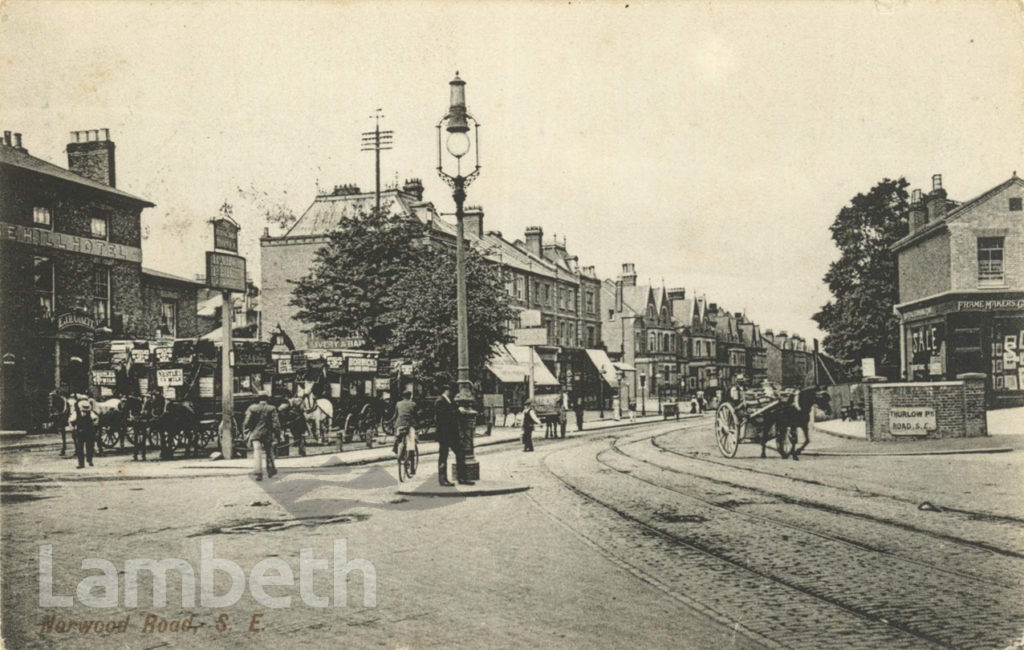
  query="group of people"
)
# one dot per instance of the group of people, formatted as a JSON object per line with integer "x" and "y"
{"x": 446, "y": 419}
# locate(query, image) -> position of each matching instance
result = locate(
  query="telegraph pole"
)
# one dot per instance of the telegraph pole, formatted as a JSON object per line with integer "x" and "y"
{"x": 377, "y": 141}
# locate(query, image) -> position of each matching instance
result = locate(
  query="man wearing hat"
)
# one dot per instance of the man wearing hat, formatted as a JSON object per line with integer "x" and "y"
{"x": 262, "y": 428}
{"x": 446, "y": 415}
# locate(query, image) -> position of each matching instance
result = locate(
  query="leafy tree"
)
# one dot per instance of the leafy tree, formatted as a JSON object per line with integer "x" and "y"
{"x": 422, "y": 314}
{"x": 378, "y": 278}
{"x": 859, "y": 320}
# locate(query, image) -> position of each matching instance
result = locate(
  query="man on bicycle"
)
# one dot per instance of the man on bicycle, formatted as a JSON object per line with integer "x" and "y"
{"x": 403, "y": 421}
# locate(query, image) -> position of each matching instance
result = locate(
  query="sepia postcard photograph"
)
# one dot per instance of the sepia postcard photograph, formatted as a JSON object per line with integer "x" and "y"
{"x": 549, "y": 324}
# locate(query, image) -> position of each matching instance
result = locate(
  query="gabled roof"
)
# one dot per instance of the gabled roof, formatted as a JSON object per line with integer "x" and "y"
{"x": 22, "y": 160}
{"x": 940, "y": 224}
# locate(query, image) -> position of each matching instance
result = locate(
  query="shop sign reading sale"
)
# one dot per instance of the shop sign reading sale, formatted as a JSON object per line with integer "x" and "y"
{"x": 911, "y": 420}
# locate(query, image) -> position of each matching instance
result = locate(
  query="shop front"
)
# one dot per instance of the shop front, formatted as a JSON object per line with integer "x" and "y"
{"x": 948, "y": 335}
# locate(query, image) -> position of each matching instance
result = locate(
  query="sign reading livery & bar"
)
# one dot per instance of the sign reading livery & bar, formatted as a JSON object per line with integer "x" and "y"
{"x": 911, "y": 420}
{"x": 225, "y": 271}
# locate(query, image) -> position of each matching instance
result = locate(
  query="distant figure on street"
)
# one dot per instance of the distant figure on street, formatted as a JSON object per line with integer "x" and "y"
{"x": 530, "y": 420}
{"x": 262, "y": 429}
{"x": 84, "y": 423}
{"x": 694, "y": 405}
{"x": 579, "y": 414}
{"x": 702, "y": 404}
{"x": 632, "y": 410}
{"x": 563, "y": 412}
{"x": 446, "y": 415}
{"x": 404, "y": 410}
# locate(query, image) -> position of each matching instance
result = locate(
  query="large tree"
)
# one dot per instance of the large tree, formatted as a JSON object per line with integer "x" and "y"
{"x": 421, "y": 311}
{"x": 859, "y": 321}
{"x": 344, "y": 293}
{"x": 379, "y": 278}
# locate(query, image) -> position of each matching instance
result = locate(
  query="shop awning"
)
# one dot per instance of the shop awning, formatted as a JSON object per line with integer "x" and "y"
{"x": 624, "y": 367}
{"x": 604, "y": 366}
{"x": 510, "y": 373}
{"x": 541, "y": 375}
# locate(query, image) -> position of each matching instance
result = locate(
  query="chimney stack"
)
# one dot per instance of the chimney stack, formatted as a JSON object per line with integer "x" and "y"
{"x": 676, "y": 293}
{"x": 91, "y": 154}
{"x": 473, "y": 220}
{"x": 918, "y": 215}
{"x": 7, "y": 138}
{"x": 936, "y": 202}
{"x": 628, "y": 274}
{"x": 414, "y": 186}
{"x": 589, "y": 271}
{"x": 535, "y": 240}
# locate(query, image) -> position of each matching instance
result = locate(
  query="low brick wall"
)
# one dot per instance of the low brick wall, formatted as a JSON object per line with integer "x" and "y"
{"x": 939, "y": 409}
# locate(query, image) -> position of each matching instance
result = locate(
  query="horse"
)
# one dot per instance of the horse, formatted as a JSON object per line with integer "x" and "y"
{"x": 174, "y": 419}
{"x": 60, "y": 413}
{"x": 317, "y": 410}
{"x": 796, "y": 414}
{"x": 111, "y": 415}
{"x": 137, "y": 415}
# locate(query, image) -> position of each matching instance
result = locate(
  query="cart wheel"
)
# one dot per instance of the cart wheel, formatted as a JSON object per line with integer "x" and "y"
{"x": 109, "y": 436}
{"x": 785, "y": 440}
{"x": 727, "y": 430}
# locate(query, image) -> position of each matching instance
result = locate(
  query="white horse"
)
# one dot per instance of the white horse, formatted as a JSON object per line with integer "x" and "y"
{"x": 318, "y": 411}
{"x": 112, "y": 418}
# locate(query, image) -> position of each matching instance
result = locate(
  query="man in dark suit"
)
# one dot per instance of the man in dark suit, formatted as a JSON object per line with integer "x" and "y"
{"x": 446, "y": 415}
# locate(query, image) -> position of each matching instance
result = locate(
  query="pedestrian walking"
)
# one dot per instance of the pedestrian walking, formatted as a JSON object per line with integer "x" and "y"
{"x": 262, "y": 429}
{"x": 294, "y": 421}
{"x": 579, "y": 414}
{"x": 563, "y": 412}
{"x": 446, "y": 415}
{"x": 530, "y": 420}
{"x": 632, "y": 410}
{"x": 84, "y": 423}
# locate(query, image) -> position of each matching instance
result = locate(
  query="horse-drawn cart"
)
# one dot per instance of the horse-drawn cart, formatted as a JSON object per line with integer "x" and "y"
{"x": 754, "y": 419}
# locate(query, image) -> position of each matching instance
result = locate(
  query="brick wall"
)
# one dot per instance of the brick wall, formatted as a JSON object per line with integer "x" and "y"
{"x": 990, "y": 218}
{"x": 924, "y": 269}
{"x": 279, "y": 263}
{"x": 959, "y": 407}
{"x": 154, "y": 292}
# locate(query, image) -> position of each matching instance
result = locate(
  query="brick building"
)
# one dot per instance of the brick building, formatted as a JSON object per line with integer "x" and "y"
{"x": 961, "y": 286}
{"x": 70, "y": 270}
{"x": 697, "y": 342}
{"x": 788, "y": 361}
{"x": 641, "y": 335}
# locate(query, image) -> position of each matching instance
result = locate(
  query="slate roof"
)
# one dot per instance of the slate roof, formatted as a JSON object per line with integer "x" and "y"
{"x": 327, "y": 210}
{"x": 955, "y": 212}
{"x": 22, "y": 160}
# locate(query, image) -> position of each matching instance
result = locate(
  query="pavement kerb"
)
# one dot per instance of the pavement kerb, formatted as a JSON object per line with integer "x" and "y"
{"x": 239, "y": 467}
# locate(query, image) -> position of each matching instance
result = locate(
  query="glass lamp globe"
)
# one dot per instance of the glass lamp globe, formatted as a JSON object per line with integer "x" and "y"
{"x": 458, "y": 144}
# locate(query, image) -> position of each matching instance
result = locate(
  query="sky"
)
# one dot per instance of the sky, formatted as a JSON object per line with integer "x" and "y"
{"x": 710, "y": 144}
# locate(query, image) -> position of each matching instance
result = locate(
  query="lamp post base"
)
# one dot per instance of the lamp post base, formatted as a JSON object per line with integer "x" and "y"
{"x": 467, "y": 428}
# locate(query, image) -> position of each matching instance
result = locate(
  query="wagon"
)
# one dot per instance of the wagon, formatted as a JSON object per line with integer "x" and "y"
{"x": 752, "y": 420}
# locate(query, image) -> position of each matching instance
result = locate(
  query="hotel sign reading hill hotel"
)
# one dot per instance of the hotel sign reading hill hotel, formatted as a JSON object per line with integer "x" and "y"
{"x": 66, "y": 242}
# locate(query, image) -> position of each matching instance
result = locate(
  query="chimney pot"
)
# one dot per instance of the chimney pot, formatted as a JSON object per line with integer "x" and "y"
{"x": 7, "y": 138}
{"x": 535, "y": 240}
{"x": 17, "y": 141}
{"x": 936, "y": 182}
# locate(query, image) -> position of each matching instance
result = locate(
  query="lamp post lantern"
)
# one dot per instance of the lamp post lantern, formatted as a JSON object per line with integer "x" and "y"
{"x": 458, "y": 124}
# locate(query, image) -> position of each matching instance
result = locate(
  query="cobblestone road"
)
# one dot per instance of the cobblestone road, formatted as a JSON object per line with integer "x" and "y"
{"x": 791, "y": 560}
{"x": 640, "y": 536}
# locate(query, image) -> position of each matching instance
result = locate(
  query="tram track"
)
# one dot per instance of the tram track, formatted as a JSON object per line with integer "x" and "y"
{"x": 916, "y": 627}
{"x": 788, "y": 500}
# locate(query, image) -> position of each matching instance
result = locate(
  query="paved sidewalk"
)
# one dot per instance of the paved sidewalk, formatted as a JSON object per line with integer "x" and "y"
{"x": 45, "y": 461}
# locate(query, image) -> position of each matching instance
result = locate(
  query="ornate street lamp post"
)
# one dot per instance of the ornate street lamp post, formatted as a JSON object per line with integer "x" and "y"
{"x": 457, "y": 124}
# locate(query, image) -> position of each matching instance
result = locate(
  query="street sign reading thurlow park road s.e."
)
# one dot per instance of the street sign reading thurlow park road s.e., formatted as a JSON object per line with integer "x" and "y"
{"x": 225, "y": 271}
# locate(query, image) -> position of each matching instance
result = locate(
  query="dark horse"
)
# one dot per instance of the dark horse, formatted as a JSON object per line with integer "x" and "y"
{"x": 174, "y": 420}
{"x": 138, "y": 423}
{"x": 796, "y": 414}
{"x": 60, "y": 412}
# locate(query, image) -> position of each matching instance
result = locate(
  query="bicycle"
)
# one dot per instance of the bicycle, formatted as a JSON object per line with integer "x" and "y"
{"x": 408, "y": 455}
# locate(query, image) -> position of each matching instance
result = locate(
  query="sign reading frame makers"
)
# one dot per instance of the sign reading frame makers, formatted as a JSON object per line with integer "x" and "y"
{"x": 225, "y": 271}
